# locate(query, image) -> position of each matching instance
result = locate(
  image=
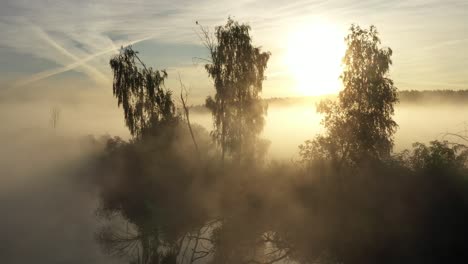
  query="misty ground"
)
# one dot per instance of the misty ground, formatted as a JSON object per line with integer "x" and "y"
{"x": 46, "y": 189}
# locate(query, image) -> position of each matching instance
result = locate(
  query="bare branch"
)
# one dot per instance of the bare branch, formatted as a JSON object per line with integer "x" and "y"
{"x": 183, "y": 98}
{"x": 464, "y": 138}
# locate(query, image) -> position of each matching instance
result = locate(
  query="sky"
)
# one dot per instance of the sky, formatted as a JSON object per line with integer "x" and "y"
{"x": 51, "y": 46}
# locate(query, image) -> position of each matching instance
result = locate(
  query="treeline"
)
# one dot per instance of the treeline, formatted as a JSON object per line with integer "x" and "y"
{"x": 176, "y": 193}
{"x": 404, "y": 96}
{"x": 434, "y": 96}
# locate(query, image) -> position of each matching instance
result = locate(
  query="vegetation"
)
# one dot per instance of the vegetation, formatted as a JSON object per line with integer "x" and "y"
{"x": 238, "y": 70}
{"x": 352, "y": 201}
{"x": 360, "y": 125}
{"x": 54, "y": 117}
{"x": 140, "y": 91}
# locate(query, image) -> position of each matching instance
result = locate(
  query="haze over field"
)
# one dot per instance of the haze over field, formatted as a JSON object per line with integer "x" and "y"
{"x": 420, "y": 121}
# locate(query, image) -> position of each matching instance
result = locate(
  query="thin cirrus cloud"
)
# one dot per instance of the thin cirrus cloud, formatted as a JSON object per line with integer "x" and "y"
{"x": 80, "y": 35}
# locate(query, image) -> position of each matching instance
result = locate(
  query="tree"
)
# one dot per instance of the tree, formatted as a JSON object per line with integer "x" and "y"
{"x": 438, "y": 156}
{"x": 238, "y": 70}
{"x": 54, "y": 116}
{"x": 140, "y": 91}
{"x": 359, "y": 124}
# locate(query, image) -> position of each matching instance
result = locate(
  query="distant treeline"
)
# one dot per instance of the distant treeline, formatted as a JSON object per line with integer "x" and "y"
{"x": 443, "y": 96}
{"x": 405, "y": 96}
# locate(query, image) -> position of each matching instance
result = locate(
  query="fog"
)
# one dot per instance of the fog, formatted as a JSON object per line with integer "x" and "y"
{"x": 47, "y": 199}
{"x": 94, "y": 112}
{"x": 47, "y": 194}
{"x": 290, "y": 124}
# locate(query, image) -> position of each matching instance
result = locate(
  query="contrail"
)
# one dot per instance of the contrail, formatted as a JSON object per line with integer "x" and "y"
{"x": 80, "y": 62}
{"x": 92, "y": 71}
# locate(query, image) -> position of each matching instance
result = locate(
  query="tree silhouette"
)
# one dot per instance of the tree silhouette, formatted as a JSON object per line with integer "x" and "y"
{"x": 359, "y": 125}
{"x": 140, "y": 91}
{"x": 54, "y": 116}
{"x": 238, "y": 70}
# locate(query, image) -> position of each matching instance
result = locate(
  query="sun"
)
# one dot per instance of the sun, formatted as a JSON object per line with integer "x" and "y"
{"x": 314, "y": 57}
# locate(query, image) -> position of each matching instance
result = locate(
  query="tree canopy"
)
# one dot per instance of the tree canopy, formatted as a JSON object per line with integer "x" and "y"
{"x": 359, "y": 124}
{"x": 238, "y": 70}
{"x": 140, "y": 90}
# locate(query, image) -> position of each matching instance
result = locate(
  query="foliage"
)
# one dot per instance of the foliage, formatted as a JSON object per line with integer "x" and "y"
{"x": 140, "y": 91}
{"x": 354, "y": 203}
{"x": 439, "y": 156}
{"x": 394, "y": 211}
{"x": 359, "y": 125}
{"x": 149, "y": 185}
{"x": 238, "y": 70}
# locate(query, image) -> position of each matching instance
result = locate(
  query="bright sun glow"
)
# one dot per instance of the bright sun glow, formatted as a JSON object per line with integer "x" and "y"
{"x": 314, "y": 58}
